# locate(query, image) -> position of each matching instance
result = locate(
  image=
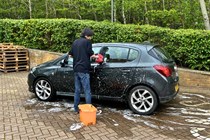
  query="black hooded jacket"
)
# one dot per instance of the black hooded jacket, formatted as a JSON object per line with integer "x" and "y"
{"x": 81, "y": 51}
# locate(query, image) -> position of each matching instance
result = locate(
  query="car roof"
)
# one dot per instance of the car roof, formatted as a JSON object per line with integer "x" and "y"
{"x": 146, "y": 45}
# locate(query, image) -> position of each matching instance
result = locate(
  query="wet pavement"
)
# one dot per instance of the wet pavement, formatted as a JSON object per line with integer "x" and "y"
{"x": 24, "y": 117}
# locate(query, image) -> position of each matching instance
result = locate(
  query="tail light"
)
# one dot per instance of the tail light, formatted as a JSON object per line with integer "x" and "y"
{"x": 164, "y": 70}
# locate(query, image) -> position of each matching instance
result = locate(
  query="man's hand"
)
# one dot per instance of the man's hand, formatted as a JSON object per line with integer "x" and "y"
{"x": 94, "y": 56}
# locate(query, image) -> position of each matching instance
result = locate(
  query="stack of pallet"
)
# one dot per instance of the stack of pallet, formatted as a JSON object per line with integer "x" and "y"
{"x": 13, "y": 58}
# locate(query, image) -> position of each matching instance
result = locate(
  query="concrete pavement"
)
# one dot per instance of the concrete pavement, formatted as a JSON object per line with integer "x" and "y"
{"x": 23, "y": 117}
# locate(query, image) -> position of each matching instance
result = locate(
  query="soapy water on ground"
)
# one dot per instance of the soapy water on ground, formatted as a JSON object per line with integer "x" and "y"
{"x": 76, "y": 126}
{"x": 188, "y": 111}
{"x": 55, "y": 107}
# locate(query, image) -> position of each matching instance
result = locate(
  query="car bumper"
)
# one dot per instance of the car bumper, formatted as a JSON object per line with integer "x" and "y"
{"x": 171, "y": 96}
{"x": 31, "y": 78}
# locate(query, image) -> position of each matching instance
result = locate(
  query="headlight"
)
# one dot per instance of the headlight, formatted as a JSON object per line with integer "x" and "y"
{"x": 33, "y": 69}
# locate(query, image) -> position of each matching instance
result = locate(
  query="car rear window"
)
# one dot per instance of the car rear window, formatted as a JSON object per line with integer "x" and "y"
{"x": 160, "y": 54}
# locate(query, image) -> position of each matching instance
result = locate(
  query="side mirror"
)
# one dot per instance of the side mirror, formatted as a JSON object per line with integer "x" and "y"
{"x": 62, "y": 63}
{"x": 106, "y": 58}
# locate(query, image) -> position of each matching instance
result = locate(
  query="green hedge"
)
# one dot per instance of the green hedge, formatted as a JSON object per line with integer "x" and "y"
{"x": 189, "y": 48}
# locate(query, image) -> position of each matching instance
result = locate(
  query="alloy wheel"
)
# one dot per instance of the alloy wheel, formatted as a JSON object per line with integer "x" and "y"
{"x": 142, "y": 100}
{"x": 43, "y": 89}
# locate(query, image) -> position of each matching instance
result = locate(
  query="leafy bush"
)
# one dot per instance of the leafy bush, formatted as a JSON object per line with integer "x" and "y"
{"x": 164, "y": 18}
{"x": 189, "y": 48}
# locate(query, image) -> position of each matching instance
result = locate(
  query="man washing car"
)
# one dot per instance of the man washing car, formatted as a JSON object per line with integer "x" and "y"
{"x": 81, "y": 52}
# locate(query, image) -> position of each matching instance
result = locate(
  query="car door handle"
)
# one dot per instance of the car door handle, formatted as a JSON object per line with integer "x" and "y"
{"x": 126, "y": 70}
{"x": 94, "y": 68}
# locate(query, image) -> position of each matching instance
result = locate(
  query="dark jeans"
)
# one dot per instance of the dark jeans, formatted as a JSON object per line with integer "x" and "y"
{"x": 82, "y": 80}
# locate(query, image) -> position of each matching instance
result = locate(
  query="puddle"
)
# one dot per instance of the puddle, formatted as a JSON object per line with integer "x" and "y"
{"x": 76, "y": 126}
{"x": 57, "y": 109}
{"x": 99, "y": 112}
{"x": 44, "y": 107}
{"x": 188, "y": 113}
{"x": 31, "y": 101}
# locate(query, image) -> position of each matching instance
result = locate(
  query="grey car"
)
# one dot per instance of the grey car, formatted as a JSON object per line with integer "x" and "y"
{"x": 142, "y": 75}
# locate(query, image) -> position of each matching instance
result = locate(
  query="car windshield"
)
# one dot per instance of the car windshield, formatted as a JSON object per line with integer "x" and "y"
{"x": 160, "y": 54}
{"x": 69, "y": 60}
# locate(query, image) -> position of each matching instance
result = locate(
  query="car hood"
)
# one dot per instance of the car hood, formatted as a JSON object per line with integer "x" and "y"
{"x": 48, "y": 63}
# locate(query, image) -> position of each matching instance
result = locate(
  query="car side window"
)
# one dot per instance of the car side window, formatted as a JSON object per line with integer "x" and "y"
{"x": 96, "y": 49}
{"x": 66, "y": 61}
{"x": 117, "y": 54}
{"x": 133, "y": 54}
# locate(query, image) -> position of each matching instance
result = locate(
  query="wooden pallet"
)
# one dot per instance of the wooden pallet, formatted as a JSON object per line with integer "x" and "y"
{"x": 9, "y": 59}
{"x": 14, "y": 54}
{"x": 13, "y": 58}
{"x": 13, "y": 50}
{"x": 15, "y": 69}
{"x": 6, "y": 45}
{"x": 4, "y": 65}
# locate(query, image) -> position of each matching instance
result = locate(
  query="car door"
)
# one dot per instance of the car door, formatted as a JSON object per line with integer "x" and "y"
{"x": 114, "y": 75}
{"x": 93, "y": 76}
{"x": 65, "y": 77}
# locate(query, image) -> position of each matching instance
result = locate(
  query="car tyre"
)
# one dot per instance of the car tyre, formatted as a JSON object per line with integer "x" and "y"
{"x": 44, "y": 90}
{"x": 142, "y": 100}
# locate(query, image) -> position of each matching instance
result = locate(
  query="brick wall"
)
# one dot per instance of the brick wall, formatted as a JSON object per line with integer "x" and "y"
{"x": 187, "y": 78}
